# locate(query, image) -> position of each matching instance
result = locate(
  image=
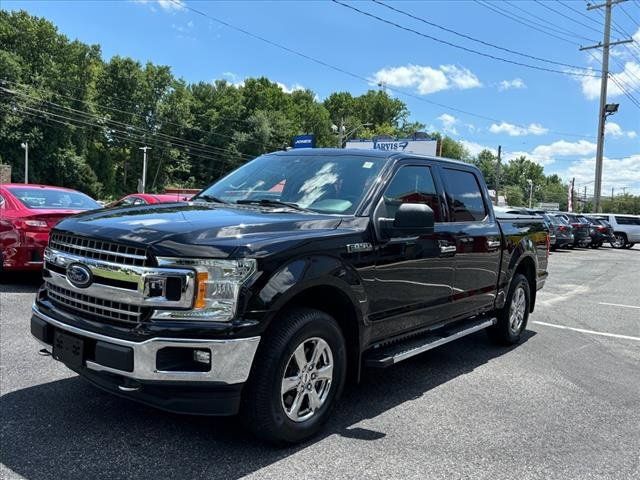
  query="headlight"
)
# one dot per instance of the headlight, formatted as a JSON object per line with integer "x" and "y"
{"x": 217, "y": 288}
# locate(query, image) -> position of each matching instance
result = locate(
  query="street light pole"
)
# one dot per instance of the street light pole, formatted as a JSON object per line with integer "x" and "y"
{"x": 144, "y": 166}
{"x": 25, "y": 145}
{"x": 530, "y": 182}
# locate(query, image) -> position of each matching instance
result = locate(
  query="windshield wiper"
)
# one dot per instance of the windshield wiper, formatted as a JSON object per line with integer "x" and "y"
{"x": 268, "y": 202}
{"x": 210, "y": 198}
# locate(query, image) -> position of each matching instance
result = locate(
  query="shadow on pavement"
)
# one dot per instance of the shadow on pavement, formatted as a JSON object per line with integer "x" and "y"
{"x": 20, "y": 282}
{"x": 69, "y": 429}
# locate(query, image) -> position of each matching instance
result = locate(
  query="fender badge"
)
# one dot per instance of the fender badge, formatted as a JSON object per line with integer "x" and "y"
{"x": 359, "y": 247}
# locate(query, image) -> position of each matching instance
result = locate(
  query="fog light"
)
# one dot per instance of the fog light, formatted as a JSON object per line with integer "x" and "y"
{"x": 202, "y": 356}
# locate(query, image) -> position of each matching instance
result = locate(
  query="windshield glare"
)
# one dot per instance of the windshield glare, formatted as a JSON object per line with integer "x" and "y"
{"x": 321, "y": 183}
{"x": 50, "y": 199}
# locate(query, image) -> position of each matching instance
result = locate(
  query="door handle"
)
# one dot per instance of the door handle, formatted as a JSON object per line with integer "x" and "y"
{"x": 448, "y": 249}
{"x": 493, "y": 243}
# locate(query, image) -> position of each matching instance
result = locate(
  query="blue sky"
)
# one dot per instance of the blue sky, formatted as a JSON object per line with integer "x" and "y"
{"x": 552, "y": 117}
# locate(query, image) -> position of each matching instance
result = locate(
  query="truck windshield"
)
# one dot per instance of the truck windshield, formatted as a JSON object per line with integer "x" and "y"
{"x": 320, "y": 183}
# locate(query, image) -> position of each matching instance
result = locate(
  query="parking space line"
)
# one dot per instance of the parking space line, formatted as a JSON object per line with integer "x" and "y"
{"x": 592, "y": 332}
{"x": 619, "y": 305}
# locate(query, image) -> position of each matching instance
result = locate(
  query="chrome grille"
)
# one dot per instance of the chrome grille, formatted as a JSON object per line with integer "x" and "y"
{"x": 98, "y": 249}
{"x": 94, "y": 307}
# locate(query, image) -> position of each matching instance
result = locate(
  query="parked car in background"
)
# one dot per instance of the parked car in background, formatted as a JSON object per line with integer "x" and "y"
{"x": 600, "y": 231}
{"x": 626, "y": 228}
{"x": 136, "y": 199}
{"x": 562, "y": 231}
{"x": 581, "y": 228}
{"x": 27, "y": 214}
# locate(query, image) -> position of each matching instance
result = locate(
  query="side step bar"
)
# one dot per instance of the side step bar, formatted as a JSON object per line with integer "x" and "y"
{"x": 392, "y": 354}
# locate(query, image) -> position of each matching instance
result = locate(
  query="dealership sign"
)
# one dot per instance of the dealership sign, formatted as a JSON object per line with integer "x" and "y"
{"x": 421, "y": 146}
{"x": 304, "y": 141}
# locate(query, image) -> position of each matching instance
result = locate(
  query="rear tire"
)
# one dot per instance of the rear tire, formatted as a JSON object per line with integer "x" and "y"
{"x": 513, "y": 317}
{"x": 620, "y": 240}
{"x": 290, "y": 392}
{"x": 629, "y": 245}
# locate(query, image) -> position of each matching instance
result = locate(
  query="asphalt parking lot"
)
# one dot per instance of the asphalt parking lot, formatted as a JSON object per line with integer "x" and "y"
{"x": 564, "y": 404}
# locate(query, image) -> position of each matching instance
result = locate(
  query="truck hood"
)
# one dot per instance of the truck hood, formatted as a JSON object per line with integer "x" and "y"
{"x": 199, "y": 229}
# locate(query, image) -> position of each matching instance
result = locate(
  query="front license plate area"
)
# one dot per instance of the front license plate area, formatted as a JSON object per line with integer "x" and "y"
{"x": 68, "y": 349}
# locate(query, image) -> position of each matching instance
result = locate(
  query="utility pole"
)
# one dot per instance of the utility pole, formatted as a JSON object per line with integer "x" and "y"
{"x": 25, "y": 145}
{"x": 144, "y": 166}
{"x": 605, "y": 45}
{"x": 612, "y": 194}
{"x": 498, "y": 174}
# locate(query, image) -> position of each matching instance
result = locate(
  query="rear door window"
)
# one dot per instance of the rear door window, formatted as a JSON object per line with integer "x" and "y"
{"x": 627, "y": 220}
{"x": 464, "y": 196}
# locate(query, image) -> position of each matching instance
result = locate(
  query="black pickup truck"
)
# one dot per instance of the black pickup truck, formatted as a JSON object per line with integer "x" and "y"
{"x": 283, "y": 280}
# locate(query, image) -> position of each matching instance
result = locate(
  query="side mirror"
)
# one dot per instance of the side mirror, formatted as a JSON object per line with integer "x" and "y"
{"x": 411, "y": 219}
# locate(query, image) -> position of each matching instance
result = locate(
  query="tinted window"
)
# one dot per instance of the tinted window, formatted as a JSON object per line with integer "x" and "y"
{"x": 627, "y": 220}
{"x": 464, "y": 196}
{"x": 412, "y": 184}
{"x": 44, "y": 198}
{"x": 322, "y": 183}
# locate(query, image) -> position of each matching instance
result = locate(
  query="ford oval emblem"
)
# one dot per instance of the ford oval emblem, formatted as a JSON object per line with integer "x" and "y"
{"x": 79, "y": 275}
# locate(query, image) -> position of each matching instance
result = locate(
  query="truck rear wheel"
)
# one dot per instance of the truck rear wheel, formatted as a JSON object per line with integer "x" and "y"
{"x": 297, "y": 375}
{"x": 513, "y": 317}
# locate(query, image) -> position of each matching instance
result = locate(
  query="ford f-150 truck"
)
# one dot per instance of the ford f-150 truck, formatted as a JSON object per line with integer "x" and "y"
{"x": 274, "y": 286}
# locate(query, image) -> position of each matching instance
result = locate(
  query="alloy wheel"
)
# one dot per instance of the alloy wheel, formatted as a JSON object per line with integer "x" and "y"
{"x": 517, "y": 310}
{"x": 307, "y": 378}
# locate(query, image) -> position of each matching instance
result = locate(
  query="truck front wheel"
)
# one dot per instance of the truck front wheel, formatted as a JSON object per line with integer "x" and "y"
{"x": 297, "y": 375}
{"x": 513, "y": 317}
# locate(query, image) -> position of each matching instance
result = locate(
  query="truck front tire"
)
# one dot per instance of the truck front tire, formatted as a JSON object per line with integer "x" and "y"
{"x": 297, "y": 375}
{"x": 513, "y": 317}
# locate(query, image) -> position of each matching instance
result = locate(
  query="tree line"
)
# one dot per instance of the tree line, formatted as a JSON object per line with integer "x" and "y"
{"x": 86, "y": 118}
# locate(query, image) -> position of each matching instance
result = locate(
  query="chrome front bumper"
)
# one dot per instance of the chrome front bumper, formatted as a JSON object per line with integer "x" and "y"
{"x": 231, "y": 359}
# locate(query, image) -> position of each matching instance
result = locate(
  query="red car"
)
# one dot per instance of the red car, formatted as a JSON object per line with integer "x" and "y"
{"x": 150, "y": 198}
{"x": 27, "y": 214}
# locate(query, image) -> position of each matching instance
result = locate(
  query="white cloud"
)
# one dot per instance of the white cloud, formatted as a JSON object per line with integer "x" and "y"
{"x": 475, "y": 148}
{"x": 615, "y": 130}
{"x": 628, "y": 78}
{"x": 461, "y": 77}
{"x": 616, "y": 173}
{"x": 291, "y": 89}
{"x": 547, "y": 154}
{"x": 517, "y": 131}
{"x": 448, "y": 123}
{"x": 166, "y": 5}
{"x": 516, "y": 83}
{"x": 562, "y": 148}
{"x": 427, "y": 79}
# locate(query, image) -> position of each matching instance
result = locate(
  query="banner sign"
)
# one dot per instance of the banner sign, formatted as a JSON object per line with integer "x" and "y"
{"x": 407, "y": 145}
{"x": 304, "y": 141}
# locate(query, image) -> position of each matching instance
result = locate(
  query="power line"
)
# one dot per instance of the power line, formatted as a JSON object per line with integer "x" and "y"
{"x": 112, "y": 132}
{"x": 415, "y": 17}
{"x": 522, "y": 21}
{"x": 567, "y": 17}
{"x": 546, "y": 23}
{"x": 131, "y": 129}
{"x": 629, "y": 16}
{"x": 460, "y": 47}
{"x": 582, "y": 14}
{"x": 354, "y": 75}
{"x": 264, "y": 145}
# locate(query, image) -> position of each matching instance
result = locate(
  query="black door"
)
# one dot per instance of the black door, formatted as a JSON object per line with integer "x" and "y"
{"x": 477, "y": 239}
{"x": 413, "y": 275}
